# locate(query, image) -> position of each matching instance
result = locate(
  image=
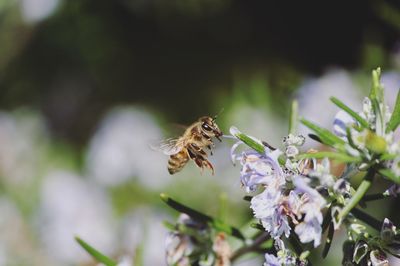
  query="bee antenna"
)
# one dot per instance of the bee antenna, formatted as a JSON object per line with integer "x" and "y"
{"x": 215, "y": 117}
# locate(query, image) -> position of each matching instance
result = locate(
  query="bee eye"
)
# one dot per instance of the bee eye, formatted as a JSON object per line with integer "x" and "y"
{"x": 206, "y": 127}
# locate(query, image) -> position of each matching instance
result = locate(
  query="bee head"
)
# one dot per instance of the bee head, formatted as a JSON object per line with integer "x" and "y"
{"x": 210, "y": 128}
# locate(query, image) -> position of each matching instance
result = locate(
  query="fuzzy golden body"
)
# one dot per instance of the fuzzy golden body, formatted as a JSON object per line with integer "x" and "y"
{"x": 191, "y": 145}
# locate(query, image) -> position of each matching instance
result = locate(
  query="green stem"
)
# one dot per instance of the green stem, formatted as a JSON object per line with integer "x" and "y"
{"x": 372, "y": 197}
{"x": 250, "y": 248}
{"x": 368, "y": 219}
{"x": 361, "y": 190}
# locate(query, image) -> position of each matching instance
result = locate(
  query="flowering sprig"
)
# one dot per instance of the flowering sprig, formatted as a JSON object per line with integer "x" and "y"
{"x": 295, "y": 197}
{"x": 296, "y": 189}
{"x": 287, "y": 200}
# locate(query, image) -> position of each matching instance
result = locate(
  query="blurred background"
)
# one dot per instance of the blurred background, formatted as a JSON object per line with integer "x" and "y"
{"x": 86, "y": 87}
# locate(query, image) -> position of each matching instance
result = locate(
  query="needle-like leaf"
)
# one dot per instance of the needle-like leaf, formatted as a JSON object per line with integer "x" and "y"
{"x": 325, "y": 135}
{"x": 395, "y": 118}
{"x": 350, "y": 111}
{"x": 97, "y": 255}
{"x": 196, "y": 215}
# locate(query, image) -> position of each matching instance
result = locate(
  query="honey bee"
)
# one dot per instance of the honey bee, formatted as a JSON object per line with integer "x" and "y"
{"x": 191, "y": 145}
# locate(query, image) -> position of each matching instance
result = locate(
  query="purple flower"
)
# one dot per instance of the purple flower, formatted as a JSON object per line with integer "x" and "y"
{"x": 284, "y": 256}
{"x": 269, "y": 208}
{"x": 311, "y": 204}
{"x": 182, "y": 245}
{"x": 271, "y": 260}
{"x": 309, "y": 231}
{"x": 259, "y": 169}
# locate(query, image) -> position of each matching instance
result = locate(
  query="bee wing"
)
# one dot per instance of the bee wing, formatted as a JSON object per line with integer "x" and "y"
{"x": 169, "y": 146}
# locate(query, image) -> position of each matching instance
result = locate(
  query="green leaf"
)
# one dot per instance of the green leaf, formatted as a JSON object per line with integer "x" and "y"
{"x": 169, "y": 225}
{"x": 293, "y": 117}
{"x": 388, "y": 156}
{"x": 328, "y": 241}
{"x": 139, "y": 255}
{"x": 248, "y": 140}
{"x": 196, "y": 215}
{"x": 332, "y": 155}
{"x": 352, "y": 113}
{"x": 376, "y": 92}
{"x": 389, "y": 175}
{"x": 395, "y": 118}
{"x": 379, "y": 123}
{"x": 325, "y": 135}
{"x": 257, "y": 226}
{"x": 223, "y": 206}
{"x": 95, "y": 253}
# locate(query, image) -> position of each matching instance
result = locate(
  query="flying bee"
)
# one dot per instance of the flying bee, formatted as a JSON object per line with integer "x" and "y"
{"x": 191, "y": 145}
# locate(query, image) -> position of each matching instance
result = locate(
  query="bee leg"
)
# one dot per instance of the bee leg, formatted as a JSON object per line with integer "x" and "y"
{"x": 199, "y": 156}
{"x": 207, "y": 164}
{"x": 209, "y": 147}
{"x": 195, "y": 156}
{"x": 197, "y": 150}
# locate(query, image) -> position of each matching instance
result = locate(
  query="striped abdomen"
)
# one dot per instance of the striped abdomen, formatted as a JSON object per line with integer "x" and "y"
{"x": 177, "y": 161}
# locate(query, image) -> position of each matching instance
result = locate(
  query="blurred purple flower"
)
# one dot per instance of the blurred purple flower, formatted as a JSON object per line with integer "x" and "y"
{"x": 341, "y": 122}
{"x": 178, "y": 248}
